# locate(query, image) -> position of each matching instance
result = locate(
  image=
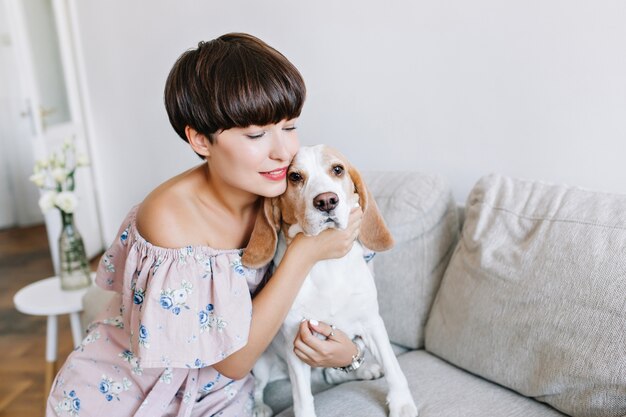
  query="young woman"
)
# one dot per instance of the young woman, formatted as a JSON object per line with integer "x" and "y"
{"x": 189, "y": 320}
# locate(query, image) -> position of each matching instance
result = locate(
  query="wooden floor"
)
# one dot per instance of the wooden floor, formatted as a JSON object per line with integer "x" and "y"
{"x": 24, "y": 258}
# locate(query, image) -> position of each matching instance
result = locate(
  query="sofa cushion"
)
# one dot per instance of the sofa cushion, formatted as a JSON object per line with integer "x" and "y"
{"x": 422, "y": 216}
{"x": 438, "y": 388}
{"x": 534, "y": 297}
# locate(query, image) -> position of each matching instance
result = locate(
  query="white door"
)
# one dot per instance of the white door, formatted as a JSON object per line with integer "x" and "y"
{"x": 18, "y": 198}
{"x": 47, "y": 75}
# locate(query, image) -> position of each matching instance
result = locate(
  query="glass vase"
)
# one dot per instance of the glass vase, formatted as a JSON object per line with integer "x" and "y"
{"x": 74, "y": 268}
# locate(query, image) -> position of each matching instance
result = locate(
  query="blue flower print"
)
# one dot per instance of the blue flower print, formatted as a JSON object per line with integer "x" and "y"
{"x": 124, "y": 235}
{"x": 175, "y": 300}
{"x": 197, "y": 364}
{"x": 238, "y": 267}
{"x": 204, "y": 317}
{"x": 208, "y": 320}
{"x": 70, "y": 404}
{"x": 112, "y": 389}
{"x": 143, "y": 336}
{"x": 166, "y": 301}
{"x": 206, "y": 388}
{"x": 138, "y": 296}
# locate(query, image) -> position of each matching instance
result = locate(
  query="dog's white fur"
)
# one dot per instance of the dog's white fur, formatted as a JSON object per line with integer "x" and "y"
{"x": 338, "y": 291}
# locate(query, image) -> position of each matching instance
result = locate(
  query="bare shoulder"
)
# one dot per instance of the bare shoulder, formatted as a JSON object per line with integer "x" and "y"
{"x": 163, "y": 215}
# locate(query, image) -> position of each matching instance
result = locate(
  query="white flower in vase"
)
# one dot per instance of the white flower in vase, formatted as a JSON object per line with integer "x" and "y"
{"x": 47, "y": 200}
{"x": 39, "y": 178}
{"x": 55, "y": 178}
{"x": 66, "y": 201}
{"x": 59, "y": 174}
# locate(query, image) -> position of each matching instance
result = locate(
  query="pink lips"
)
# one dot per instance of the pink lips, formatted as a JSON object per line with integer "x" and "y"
{"x": 276, "y": 175}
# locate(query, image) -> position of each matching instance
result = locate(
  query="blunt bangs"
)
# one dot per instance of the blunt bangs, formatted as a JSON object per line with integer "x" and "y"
{"x": 257, "y": 90}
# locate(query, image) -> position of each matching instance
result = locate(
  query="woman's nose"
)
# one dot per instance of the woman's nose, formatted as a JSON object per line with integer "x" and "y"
{"x": 280, "y": 148}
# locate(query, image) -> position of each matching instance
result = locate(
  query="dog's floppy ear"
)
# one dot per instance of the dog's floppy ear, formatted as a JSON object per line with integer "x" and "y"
{"x": 262, "y": 243}
{"x": 374, "y": 233}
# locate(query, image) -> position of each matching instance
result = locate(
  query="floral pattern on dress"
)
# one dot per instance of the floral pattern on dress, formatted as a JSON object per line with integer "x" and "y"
{"x": 90, "y": 338}
{"x": 138, "y": 295}
{"x": 69, "y": 404}
{"x": 208, "y": 320}
{"x": 166, "y": 376}
{"x": 198, "y": 363}
{"x": 208, "y": 267}
{"x": 143, "y": 336}
{"x": 175, "y": 300}
{"x": 124, "y": 235}
{"x": 117, "y": 321}
{"x": 136, "y": 353}
{"x": 208, "y": 387}
{"x": 112, "y": 389}
{"x": 129, "y": 357}
{"x": 108, "y": 263}
{"x": 183, "y": 253}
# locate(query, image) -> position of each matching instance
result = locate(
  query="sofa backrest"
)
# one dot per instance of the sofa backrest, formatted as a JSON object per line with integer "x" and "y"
{"x": 534, "y": 297}
{"x": 422, "y": 217}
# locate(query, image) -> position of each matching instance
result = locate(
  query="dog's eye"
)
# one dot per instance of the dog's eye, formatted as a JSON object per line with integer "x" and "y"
{"x": 295, "y": 177}
{"x": 338, "y": 170}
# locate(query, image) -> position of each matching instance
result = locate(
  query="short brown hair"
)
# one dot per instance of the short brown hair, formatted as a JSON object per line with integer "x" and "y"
{"x": 236, "y": 80}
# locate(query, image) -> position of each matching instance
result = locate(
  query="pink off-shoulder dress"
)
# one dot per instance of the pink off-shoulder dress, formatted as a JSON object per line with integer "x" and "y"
{"x": 176, "y": 312}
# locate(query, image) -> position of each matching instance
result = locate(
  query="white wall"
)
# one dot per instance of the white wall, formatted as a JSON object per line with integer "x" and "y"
{"x": 530, "y": 88}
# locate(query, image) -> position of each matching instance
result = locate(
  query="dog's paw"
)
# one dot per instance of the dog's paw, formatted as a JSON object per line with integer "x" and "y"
{"x": 370, "y": 371}
{"x": 262, "y": 410}
{"x": 401, "y": 404}
{"x": 404, "y": 410}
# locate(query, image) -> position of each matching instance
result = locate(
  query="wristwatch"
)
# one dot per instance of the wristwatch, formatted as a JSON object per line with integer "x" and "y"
{"x": 358, "y": 358}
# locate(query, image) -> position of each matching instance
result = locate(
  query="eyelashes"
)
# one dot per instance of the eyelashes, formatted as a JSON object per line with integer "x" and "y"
{"x": 259, "y": 135}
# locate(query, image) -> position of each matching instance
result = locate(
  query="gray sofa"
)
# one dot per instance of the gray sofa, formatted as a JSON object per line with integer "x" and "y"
{"x": 521, "y": 311}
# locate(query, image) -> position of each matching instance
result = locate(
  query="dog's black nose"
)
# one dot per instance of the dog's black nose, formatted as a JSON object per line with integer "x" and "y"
{"x": 326, "y": 202}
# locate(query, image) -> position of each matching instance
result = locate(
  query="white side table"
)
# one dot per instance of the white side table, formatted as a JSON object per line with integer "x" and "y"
{"x": 45, "y": 298}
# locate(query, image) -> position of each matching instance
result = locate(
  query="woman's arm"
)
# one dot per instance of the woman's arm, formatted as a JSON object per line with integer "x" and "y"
{"x": 272, "y": 303}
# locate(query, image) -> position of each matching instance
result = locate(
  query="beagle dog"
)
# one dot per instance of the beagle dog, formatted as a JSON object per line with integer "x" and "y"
{"x": 322, "y": 189}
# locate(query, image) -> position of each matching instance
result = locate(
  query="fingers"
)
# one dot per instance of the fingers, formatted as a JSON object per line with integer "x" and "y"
{"x": 327, "y": 330}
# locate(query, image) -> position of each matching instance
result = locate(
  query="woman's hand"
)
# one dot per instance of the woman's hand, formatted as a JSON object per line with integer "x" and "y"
{"x": 336, "y": 351}
{"x": 331, "y": 243}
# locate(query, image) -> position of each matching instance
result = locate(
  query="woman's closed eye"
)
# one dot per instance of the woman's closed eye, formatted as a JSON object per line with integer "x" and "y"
{"x": 290, "y": 128}
{"x": 256, "y": 135}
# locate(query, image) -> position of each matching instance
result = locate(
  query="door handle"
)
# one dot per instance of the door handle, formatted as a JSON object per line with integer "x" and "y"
{"x": 44, "y": 113}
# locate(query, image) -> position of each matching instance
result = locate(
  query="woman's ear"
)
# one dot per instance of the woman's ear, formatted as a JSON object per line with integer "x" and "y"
{"x": 262, "y": 243}
{"x": 198, "y": 142}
